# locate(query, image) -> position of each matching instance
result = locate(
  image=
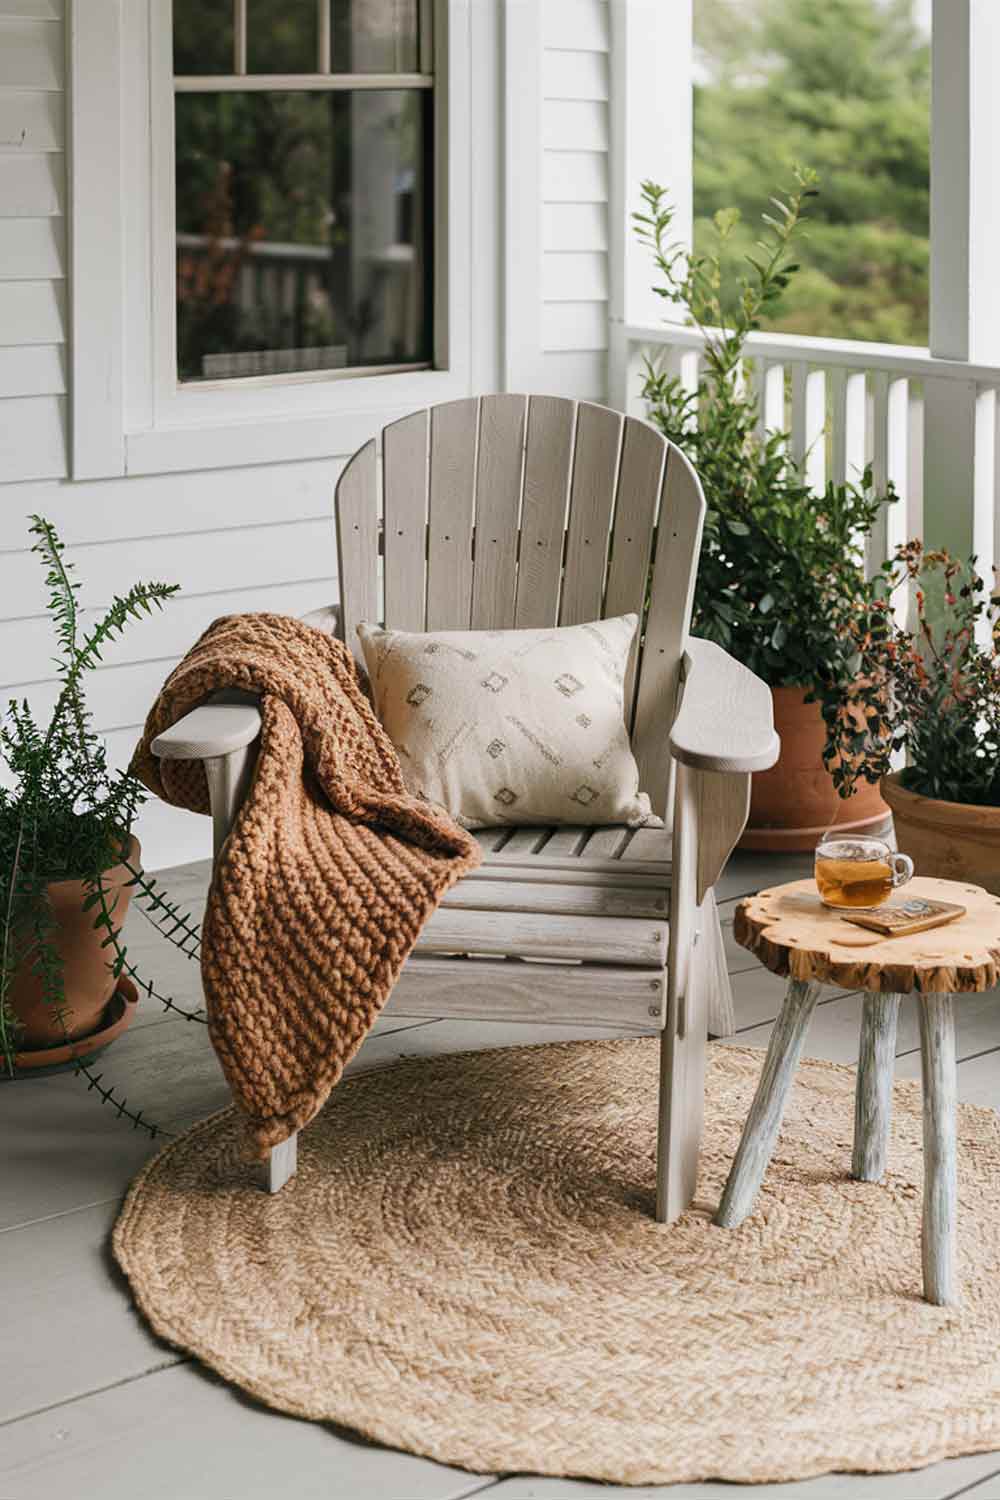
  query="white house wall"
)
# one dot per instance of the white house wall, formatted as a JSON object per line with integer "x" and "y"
{"x": 32, "y": 242}
{"x": 574, "y": 193}
{"x": 260, "y": 536}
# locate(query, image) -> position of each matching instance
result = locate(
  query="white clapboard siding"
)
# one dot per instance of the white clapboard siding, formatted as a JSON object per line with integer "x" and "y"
{"x": 574, "y": 226}
{"x": 36, "y": 10}
{"x": 575, "y": 176}
{"x": 31, "y": 185}
{"x": 167, "y": 504}
{"x": 241, "y": 558}
{"x": 30, "y": 249}
{"x": 581, "y": 375}
{"x": 574, "y": 75}
{"x": 34, "y": 410}
{"x": 33, "y": 441}
{"x": 586, "y": 21}
{"x": 31, "y": 121}
{"x": 39, "y": 370}
{"x": 574, "y": 326}
{"x": 31, "y": 54}
{"x": 575, "y": 138}
{"x": 32, "y": 312}
{"x": 581, "y": 276}
{"x": 575, "y": 125}
{"x": 27, "y": 646}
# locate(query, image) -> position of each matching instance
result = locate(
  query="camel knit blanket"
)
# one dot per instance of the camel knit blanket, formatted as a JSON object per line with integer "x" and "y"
{"x": 328, "y": 874}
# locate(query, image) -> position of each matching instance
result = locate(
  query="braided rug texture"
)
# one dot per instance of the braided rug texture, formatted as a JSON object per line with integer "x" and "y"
{"x": 329, "y": 873}
{"x": 466, "y": 1267}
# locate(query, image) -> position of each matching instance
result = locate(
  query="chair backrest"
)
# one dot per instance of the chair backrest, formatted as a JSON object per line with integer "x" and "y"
{"x": 520, "y": 511}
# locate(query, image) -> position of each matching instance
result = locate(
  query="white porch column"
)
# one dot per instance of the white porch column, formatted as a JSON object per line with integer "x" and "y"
{"x": 964, "y": 284}
{"x": 651, "y": 137}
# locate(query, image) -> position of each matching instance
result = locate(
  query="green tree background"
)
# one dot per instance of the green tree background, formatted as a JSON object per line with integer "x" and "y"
{"x": 842, "y": 86}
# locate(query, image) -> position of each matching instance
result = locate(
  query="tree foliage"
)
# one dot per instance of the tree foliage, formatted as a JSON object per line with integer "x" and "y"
{"x": 844, "y": 85}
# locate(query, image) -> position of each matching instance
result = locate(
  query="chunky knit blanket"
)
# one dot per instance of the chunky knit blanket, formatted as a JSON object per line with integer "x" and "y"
{"x": 329, "y": 873}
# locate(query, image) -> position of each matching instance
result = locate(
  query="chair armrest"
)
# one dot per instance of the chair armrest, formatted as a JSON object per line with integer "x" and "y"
{"x": 725, "y": 720}
{"x": 228, "y": 722}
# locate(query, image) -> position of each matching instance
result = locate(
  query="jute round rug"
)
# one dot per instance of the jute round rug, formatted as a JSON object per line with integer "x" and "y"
{"x": 466, "y": 1267}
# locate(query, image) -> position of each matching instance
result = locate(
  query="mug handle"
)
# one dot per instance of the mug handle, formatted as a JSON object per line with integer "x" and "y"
{"x": 902, "y": 868}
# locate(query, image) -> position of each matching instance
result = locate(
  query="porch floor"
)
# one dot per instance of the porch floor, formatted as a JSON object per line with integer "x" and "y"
{"x": 91, "y": 1404}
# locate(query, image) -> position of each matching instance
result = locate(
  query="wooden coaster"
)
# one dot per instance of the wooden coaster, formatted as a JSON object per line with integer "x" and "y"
{"x": 915, "y": 915}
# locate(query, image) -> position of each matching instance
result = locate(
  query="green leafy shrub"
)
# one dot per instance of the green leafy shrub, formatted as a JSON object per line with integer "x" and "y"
{"x": 781, "y": 580}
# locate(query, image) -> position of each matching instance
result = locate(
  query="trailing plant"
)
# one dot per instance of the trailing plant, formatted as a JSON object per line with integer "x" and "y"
{"x": 781, "y": 576}
{"x": 66, "y": 814}
{"x": 932, "y": 691}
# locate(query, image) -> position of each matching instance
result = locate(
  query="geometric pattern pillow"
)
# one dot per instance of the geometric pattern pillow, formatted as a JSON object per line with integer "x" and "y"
{"x": 511, "y": 726}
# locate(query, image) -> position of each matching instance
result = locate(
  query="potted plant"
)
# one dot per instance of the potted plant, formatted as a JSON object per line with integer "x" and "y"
{"x": 781, "y": 572}
{"x": 68, "y": 858}
{"x": 933, "y": 692}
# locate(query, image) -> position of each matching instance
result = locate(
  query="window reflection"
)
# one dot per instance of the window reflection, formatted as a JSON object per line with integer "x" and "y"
{"x": 302, "y": 231}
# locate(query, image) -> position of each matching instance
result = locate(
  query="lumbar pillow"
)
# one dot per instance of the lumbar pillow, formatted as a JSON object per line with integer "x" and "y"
{"x": 511, "y": 726}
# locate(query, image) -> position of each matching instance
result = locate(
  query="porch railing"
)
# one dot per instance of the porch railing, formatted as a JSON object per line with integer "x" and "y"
{"x": 931, "y": 426}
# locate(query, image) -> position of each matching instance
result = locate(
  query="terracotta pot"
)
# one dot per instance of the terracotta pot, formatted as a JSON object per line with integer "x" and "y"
{"x": 794, "y": 803}
{"x": 88, "y": 980}
{"x": 118, "y": 1016}
{"x": 949, "y": 840}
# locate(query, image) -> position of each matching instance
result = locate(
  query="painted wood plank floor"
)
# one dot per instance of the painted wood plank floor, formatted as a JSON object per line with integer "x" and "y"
{"x": 92, "y": 1405}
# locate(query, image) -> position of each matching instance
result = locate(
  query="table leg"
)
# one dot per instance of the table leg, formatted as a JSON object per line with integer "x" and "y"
{"x": 873, "y": 1092}
{"x": 937, "y": 1056}
{"x": 764, "y": 1120}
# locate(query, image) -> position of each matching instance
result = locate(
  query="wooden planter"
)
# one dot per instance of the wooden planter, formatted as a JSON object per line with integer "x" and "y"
{"x": 949, "y": 840}
{"x": 89, "y": 982}
{"x": 794, "y": 803}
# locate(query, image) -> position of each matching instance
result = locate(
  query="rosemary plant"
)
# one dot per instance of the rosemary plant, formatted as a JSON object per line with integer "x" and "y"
{"x": 65, "y": 813}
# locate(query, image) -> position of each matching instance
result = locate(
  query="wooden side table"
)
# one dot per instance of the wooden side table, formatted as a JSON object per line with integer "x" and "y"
{"x": 792, "y": 933}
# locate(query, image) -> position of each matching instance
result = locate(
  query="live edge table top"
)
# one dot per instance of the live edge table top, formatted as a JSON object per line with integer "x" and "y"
{"x": 791, "y": 932}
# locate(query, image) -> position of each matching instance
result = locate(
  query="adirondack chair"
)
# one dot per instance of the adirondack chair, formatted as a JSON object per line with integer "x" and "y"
{"x": 513, "y": 511}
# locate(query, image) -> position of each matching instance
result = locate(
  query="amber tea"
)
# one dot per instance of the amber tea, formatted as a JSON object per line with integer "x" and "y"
{"x": 859, "y": 874}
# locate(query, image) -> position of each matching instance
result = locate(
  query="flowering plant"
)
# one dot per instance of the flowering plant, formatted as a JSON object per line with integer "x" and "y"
{"x": 933, "y": 690}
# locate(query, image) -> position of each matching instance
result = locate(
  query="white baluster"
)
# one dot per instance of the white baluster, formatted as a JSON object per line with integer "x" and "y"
{"x": 809, "y": 424}
{"x": 847, "y": 402}
{"x": 770, "y": 382}
{"x": 890, "y": 462}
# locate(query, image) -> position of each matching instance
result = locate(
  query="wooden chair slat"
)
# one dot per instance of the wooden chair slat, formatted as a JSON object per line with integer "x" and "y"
{"x": 548, "y": 457}
{"x": 496, "y": 989}
{"x": 594, "y": 897}
{"x": 452, "y": 484}
{"x": 567, "y": 840}
{"x": 527, "y": 840}
{"x": 682, "y": 511}
{"x": 605, "y": 843}
{"x": 499, "y": 469}
{"x": 649, "y": 845}
{"x": 592, "y": 496}
{"x": 356, "y": 512}
{"x": 490, "y": 839}
{"x": 640, "y": 481}
{"x": 404, "y": 485}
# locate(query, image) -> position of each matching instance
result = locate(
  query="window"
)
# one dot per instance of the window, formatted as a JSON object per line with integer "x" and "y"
{"x": 304, "y": 186}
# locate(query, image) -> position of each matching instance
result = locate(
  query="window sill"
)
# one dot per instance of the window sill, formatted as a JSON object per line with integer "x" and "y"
{"x": 285, "y": 437}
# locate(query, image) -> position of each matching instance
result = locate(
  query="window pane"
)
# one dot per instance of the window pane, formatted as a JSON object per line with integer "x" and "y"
{"x": 203, "y": 36}
{"x": 374, "y": 36}
{"x": 302, "y": 236}
{"x": 282, "y": 36}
